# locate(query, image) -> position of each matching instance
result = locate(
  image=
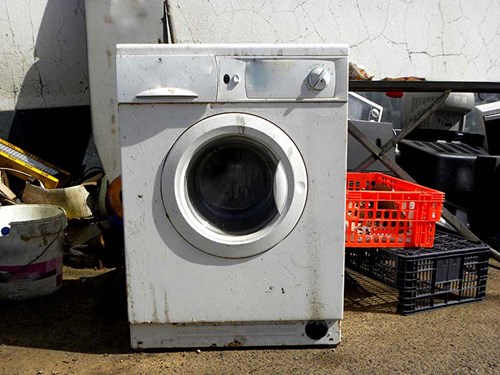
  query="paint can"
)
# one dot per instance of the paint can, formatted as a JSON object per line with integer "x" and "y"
{"x": 31, "y": 250}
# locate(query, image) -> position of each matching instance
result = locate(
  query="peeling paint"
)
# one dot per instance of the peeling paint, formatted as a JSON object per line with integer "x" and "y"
{"x": 43, "y": 55}
{"x": 436, "y": 39}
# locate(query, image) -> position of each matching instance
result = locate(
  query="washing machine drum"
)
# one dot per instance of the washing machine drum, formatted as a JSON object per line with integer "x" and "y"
{"x": 234, "y": 185}
{"x": 231, "y": 184}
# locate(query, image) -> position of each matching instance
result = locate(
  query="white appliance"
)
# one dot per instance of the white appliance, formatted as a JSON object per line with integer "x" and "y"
{"x": 379, "y": 133}
{"x": 233, "y": 169}
{"x": 364, "y": 109}
{"x": 449, "y": 116}
{"x": 488, "y": 119}
{"x": 110, "y": 22}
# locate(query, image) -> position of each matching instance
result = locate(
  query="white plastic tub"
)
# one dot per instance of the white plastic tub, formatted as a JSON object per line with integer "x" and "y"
{"x": 31, "y": 250}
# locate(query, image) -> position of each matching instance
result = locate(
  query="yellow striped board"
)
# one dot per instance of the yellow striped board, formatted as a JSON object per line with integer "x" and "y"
{"x": 26, "y": 164}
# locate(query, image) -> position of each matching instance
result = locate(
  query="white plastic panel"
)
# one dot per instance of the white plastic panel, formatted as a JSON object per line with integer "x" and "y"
{"x": 278, "y": 79}
{"x": 228, "y": 335}
{"x": 110, "y": 22}
{"x": 268, "y": 73}
{"x": 286, "y": 79}
{"x": 152, "y": 74}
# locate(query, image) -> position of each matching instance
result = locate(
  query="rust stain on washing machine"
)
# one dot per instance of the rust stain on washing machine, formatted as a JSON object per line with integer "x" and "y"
{"x": 236, "y": 343}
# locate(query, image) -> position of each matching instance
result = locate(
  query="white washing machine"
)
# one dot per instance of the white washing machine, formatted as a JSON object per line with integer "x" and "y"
{"x": 233, "y": 173}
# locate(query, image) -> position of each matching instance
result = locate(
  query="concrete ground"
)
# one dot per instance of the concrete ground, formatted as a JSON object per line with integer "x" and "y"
{"x": 82, "y": 329}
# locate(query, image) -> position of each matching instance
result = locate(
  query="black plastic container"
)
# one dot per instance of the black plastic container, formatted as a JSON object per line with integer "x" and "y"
{"x": 445, "y": 166}
{"x": 454, "y": 271}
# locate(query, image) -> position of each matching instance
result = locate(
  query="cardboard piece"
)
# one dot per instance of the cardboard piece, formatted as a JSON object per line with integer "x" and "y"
{"x": 75, "y": 200}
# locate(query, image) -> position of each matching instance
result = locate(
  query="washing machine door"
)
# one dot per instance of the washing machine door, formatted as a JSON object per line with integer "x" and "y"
{"x": 234, "y": 185}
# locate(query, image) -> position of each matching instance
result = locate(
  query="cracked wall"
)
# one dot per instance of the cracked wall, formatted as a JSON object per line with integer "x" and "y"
{"x": 435, "y": 39}
{"x": 43, "y": 54}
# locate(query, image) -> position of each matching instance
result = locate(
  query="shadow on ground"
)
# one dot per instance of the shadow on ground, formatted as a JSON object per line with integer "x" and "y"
{"x": 89, "y": 314}
{"x": 364, "y": 294}
{"x": 85, "y": 315}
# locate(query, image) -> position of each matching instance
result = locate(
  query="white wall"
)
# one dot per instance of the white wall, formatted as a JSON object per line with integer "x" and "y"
{"x": 43, "y": 45}
{"x": 43, "y": 54}
{"x": 435, "y": 39}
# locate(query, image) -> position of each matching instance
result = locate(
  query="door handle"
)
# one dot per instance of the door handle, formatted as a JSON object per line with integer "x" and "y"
{"x": 167, "y": 92}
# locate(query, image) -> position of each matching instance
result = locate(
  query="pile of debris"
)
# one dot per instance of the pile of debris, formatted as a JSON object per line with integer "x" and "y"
{"x": 94, "y": 235}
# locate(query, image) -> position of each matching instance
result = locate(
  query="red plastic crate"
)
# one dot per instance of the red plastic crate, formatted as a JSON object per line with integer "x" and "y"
{"x": 384, "y": 211}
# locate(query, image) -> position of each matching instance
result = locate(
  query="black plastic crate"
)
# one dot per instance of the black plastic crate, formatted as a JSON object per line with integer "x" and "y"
{"x": 454, "y": 271}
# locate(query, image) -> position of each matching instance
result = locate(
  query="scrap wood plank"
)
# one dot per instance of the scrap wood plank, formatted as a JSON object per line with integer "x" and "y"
{"x": 6, "y": 192}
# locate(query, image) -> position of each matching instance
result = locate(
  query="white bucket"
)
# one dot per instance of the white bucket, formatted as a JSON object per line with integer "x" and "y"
{"x": 31, "y": 250}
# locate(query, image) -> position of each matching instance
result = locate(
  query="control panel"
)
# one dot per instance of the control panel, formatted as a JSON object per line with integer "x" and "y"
{"x": 230, "y": 78}
{"x": 266, "y": 78}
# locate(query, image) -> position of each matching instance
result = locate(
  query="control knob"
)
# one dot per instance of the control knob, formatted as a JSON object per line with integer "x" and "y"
{"x": 319, "y": 78}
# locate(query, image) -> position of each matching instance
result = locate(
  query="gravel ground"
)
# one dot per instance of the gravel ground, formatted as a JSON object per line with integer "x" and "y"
{"x": 82, "y": 329}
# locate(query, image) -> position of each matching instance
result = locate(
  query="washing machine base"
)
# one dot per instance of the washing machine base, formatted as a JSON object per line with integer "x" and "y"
{"x": 182, "y": 335}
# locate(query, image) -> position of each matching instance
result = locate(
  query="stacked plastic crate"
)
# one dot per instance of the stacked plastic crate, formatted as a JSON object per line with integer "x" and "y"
{"x": 391, "y": 236}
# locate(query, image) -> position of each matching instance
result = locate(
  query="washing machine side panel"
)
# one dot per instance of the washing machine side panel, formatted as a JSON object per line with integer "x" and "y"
{"x": 323, "y": 143}
{"x": 299, "y": 279}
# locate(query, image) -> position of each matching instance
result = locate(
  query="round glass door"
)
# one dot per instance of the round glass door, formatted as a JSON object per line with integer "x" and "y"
{"x": 231, "y": 184}
{"x": 234, "y": 185}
